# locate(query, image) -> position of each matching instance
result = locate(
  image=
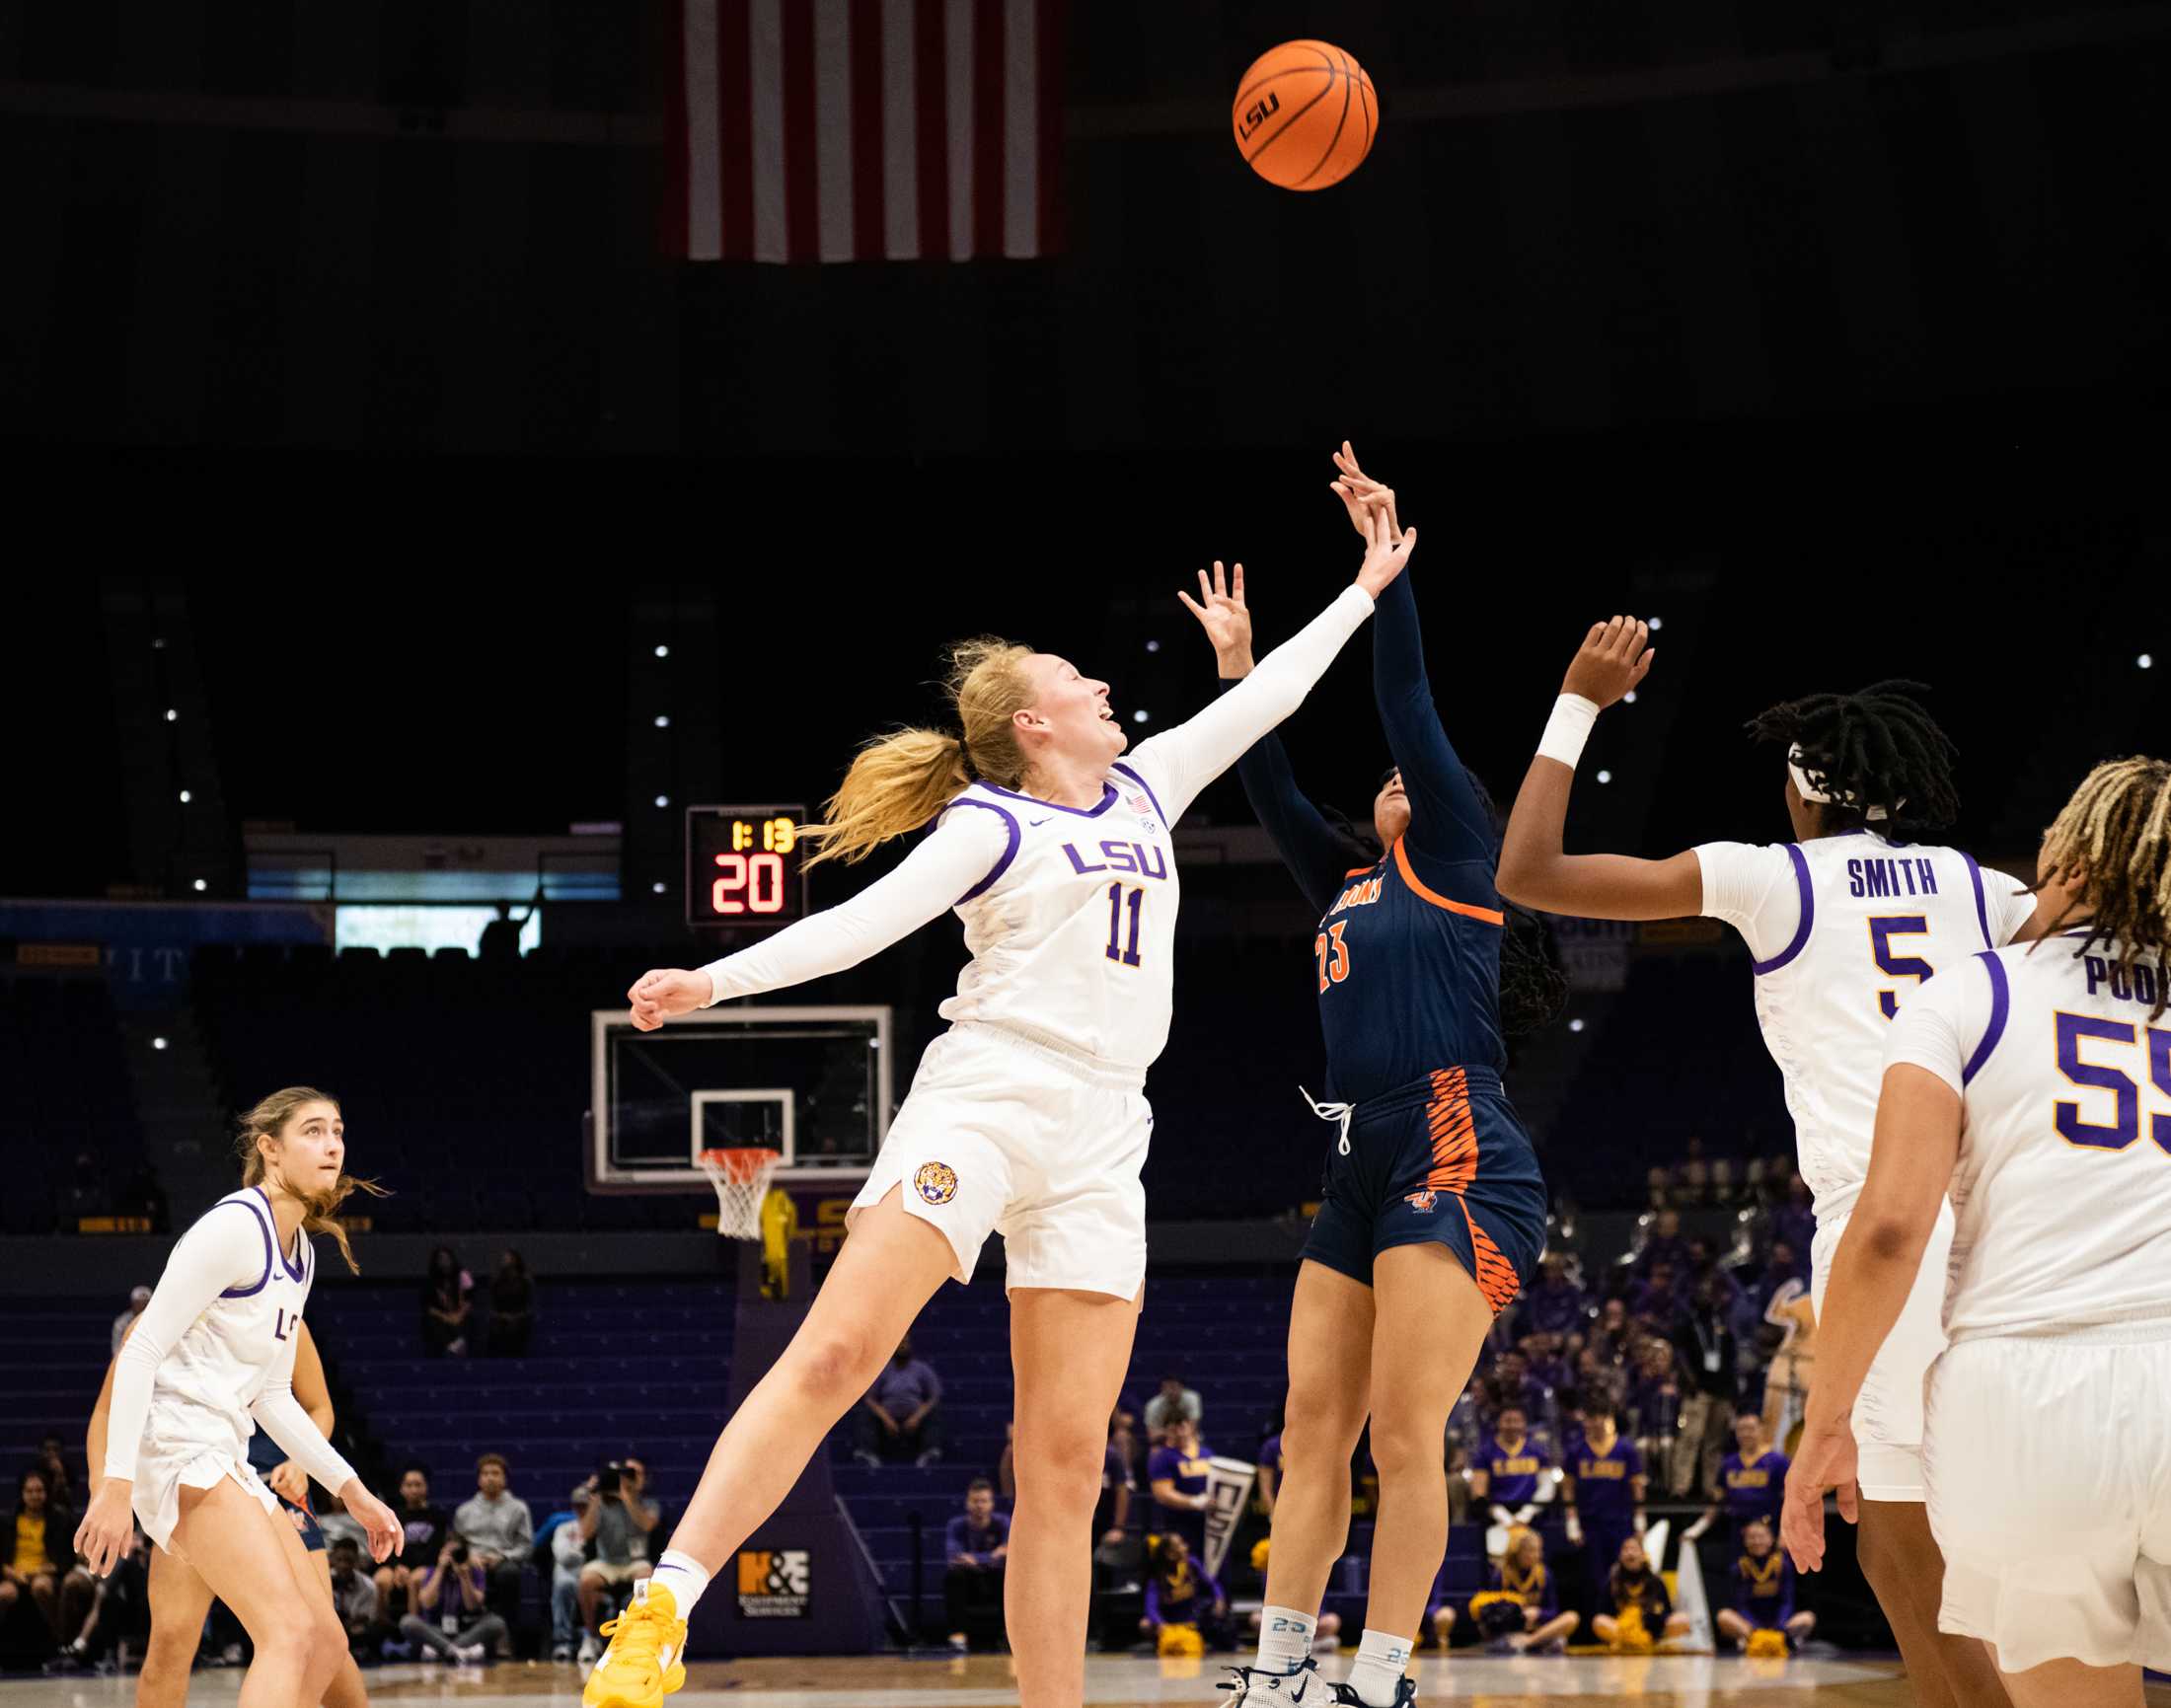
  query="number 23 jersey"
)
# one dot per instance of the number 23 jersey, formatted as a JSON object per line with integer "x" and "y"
{"x": 1843, "y": 930}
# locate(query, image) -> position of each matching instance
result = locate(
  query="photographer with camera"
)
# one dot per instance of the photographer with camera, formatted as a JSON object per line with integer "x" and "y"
{"x": 451, "y": 1620}
{"x": 610, "y": 1520}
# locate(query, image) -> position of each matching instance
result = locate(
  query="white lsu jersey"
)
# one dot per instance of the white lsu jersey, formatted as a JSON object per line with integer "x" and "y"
{"x": 224, "y": 1359}
{"x": 1843, "y": 929}
{"x": 2062, "y": 1190}
{"x": 1074, "y": 932}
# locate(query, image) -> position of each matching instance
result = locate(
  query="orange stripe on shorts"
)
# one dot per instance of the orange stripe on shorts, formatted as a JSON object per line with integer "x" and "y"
{"x": 1454, "y": 1133}
{"x": 1495, "y": 1277}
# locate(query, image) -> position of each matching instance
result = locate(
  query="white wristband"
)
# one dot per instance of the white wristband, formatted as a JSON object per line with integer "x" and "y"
{"x": 1568, "y": 730}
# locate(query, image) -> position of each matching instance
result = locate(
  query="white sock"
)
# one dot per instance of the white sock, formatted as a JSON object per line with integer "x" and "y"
{"x": 684, "y": 1576}
{"x": 1381, "y": 1661}
{"x": 1285, "y": 1639}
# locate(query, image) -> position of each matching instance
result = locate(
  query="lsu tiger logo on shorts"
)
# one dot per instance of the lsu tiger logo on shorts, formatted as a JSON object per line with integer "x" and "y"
{"x": 936, "y": 1182}
{"x": 1424, "y": 1199}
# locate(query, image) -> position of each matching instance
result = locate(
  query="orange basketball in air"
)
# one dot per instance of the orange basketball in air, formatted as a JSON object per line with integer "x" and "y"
{"x": 1305, "y": 116}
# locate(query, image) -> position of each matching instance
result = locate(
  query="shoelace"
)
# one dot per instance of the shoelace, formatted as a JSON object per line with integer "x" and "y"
{"x": 1335, "y": 1112}
{"x": 645, "y": 1631}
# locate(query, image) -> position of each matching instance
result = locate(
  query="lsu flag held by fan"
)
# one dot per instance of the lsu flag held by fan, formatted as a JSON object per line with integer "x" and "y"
{"x": 837, "y": 130}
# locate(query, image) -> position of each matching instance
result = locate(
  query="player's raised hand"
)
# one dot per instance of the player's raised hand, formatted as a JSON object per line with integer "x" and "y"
{"x": 1354, "y": 487}
{"x": 1222, "y": 614}
{"x": 1824, "y": 1461}
{"x": 386, "y": 1535}
{"x": 1614, "y": 657}
{"x": 1386, "y": 552}
{"x": 103, "y": 1537}
{"x": 663, "y": 992}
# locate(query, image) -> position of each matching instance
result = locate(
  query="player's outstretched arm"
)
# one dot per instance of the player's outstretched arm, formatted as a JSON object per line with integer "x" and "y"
{"x": 1310, "y": 847}
{"x": 1449, "y": 823}
{"x": 1178, "y": 763}
{"x": 963, "y": 851}
{"x": 1535, "y": 870}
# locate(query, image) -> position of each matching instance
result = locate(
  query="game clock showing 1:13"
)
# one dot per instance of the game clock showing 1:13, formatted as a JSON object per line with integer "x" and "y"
{"x": 744, "y": 865}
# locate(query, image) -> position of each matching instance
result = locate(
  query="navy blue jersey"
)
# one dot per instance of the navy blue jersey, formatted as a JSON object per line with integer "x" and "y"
{"x": 1409, "y": 948}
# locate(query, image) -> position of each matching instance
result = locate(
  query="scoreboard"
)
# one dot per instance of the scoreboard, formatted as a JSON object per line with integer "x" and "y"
{"x": 744, "y": 865}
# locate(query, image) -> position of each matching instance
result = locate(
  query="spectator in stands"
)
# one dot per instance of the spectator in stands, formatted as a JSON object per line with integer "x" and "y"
{"x": 1545, "y": 1356}
{"x": 1642, "y": 1614}
{"x": 1513, "y": 1474}
{"x": 1609, "y": 1335}
{"x": 610, "y": 1521}
{"x": 1659, "y": 1302}
{"x": 898, "y": 1418}
{"x": 498, "y": 1530}
{"x": 1112, "y": 1512}
{"x": 1182, "y": 1594}
{"x": 1176, "y": 1478}
{"x": 1659, "y": 1186}
{"x": 40, "y": 1560}
{"x": 647, "y": 1544}
{"x": 1123, "y": 1436}
{"x": 138, "y": 1297}
{"x": 1723, "y": 1187}
{"x": 452, "y": 1620}
{"x": 1173, "y": 1401}
{"x": 1521, "y": 1611}
{"x": 512, "y": 1308}
{"x": 1655, "y": 1401}
{"x": 448, "y": 1306}
{"x": 1662, "y": 1243}
{"x": 120, "y": 1610}
{"x": 353, "y": 1595}
{"x": 335, "y": 1522}
{"x": 568, "y": 1554}
{"x": 977, "y": 1544}
{"x": 1763, "y": 1595}
{"x": 51, "y": 1463}
{"x": 1783, "y": 1265}
{"x": 1795, "y": 1219}
{"x": 423, "y": 1530}
{"x": 1711, "y": 1356}
{"x": 1751, "y": 1482}
{"x": 1693, "y": 1178}
{"x": 1556, "y": 1305}
{"x": 1511, "y": 1385}
{"x": 1603, "y": 1491}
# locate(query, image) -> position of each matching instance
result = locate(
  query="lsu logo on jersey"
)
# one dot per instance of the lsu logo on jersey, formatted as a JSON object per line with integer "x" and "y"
{"x": 936, "y": 1182}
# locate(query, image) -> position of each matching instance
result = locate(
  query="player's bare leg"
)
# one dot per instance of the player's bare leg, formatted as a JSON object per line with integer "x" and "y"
{"x": 242, "y": 1552}
{"x": 1905, "y": 1569}
{"x": 1430, "y": 1320}
{"x": 888, "y": 1268}
{"x": 2072, "y": 1684}
{"x": 347, "y": 1689}
{"x": 1068, "y": 1351}
{"x": 180, "y": 1600}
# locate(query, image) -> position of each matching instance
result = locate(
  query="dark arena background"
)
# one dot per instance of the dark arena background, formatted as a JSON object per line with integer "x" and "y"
{"x": 449, "y": 443}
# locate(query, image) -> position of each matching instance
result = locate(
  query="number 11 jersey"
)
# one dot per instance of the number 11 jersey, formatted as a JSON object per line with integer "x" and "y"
{"x": 1843, "y": 930}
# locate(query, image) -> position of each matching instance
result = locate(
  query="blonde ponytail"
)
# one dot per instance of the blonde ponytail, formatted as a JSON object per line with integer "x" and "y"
{"x": 321, "y": 1210}
{"x": 900, "y": 781}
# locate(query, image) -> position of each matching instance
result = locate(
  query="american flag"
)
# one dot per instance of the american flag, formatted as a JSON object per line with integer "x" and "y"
{"x": 831, "y": 130}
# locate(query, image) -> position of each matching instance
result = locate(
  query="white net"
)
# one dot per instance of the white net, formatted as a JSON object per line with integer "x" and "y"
{"x": 741, "y": 1180}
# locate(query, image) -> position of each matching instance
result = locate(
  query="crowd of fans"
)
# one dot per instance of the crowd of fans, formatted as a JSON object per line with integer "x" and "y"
{"x": 457, "y": 1323}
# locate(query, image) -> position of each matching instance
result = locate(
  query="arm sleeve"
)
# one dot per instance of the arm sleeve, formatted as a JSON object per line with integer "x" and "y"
{"x": 1310, "y": 847}
{"x": 1752, "y": 889}
{"x": 1449, "y": 824}
{"x": 1180, "y": 762}
{"x": 281, "y": 1417}
{"x": 225, "y": 1249}
{"x": 1941, "y": 1022}
{"x": 965, "y": 852}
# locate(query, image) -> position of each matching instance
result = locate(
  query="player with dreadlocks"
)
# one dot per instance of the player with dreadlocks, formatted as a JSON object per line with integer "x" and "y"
{"x": 1433, "y": 1211}
{"x": 1843, "y": 924}
{"x": 2033, "y": 1087}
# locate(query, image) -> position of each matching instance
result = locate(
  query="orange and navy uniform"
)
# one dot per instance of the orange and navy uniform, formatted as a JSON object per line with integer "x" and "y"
{"x": 1407, "y": 958}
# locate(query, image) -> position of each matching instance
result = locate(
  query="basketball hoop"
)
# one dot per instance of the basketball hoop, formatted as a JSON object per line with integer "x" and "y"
{"x": 741, "y": 1180}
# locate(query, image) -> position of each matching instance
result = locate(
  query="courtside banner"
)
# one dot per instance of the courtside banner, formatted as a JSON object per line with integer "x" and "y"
{"x": 1228, "y": 1488}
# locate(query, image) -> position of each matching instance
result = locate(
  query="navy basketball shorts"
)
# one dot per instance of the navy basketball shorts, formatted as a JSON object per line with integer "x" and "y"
{"x": 304, "y": 1522}
{"x": 1443, "y": 1159}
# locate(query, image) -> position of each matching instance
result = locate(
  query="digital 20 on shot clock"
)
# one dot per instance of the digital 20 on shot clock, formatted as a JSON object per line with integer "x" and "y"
{"x": 744, "y": 865}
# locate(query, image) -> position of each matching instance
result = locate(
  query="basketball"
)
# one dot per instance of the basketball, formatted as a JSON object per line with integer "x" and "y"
{"x": 1305, "y": 116}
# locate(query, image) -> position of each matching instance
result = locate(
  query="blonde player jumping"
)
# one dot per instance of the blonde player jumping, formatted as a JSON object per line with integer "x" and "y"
{"x": 1026, "y": 1117}
{"x": 1843, "y": 922}
{"x": 2034, "y": 1086}
{"x": 210, "y": 1359}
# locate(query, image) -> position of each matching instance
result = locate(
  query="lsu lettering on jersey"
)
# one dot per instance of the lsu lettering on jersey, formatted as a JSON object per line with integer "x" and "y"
{"x": 1073, "y": 931}
{"x": 2062, "y": 1192}
{"x": 1844, "y": 929}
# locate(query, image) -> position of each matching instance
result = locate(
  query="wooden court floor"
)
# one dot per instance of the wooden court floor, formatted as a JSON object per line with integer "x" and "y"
{"x": 1112, "y": 1681}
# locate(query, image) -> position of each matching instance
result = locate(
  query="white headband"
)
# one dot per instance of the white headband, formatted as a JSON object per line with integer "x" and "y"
{"x": 1811, "y": 791}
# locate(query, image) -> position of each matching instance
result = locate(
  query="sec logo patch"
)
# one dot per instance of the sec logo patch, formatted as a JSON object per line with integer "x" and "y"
{"x": 936, "y": 1182}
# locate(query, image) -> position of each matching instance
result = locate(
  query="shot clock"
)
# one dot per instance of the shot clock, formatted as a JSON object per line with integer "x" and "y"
{"x": 744, "y": 865}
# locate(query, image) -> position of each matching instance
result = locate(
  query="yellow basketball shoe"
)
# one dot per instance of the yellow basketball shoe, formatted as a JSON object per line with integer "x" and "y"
{"x": 643, "y": 1663}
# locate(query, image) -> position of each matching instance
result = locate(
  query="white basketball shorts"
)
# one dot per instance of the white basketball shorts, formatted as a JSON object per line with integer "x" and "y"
{"x": 1888, "y": 1414}
{"x": 164, "y": 1465}
{"x": 1002, "y": 1133}
{"x": 2049, "y": 1460}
